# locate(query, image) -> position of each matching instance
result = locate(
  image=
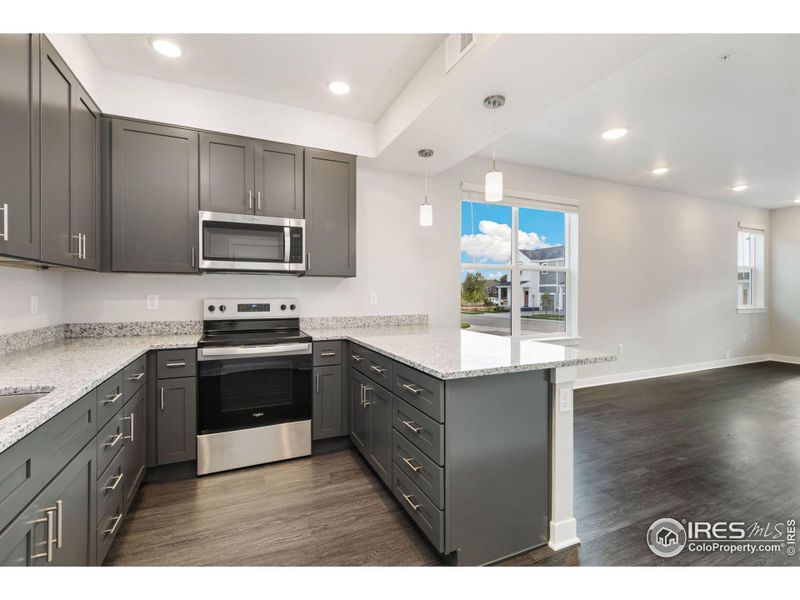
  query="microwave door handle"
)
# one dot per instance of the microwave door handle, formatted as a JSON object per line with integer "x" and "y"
{"x": 287, "y": 240}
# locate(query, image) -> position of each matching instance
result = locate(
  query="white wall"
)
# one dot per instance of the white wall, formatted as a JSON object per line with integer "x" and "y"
{"x": 16, "y": 287}
{"x": 400, "y": 261}
{"x": 783, "y": 239}
{"x": 657, "y": 270}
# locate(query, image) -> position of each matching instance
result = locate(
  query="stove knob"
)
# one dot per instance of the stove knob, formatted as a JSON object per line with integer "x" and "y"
{"x": 283, "y": 307}
{"x": 292, "y": 307}
{"x": 222, "y": 308}
{"x": 211, "y": 308}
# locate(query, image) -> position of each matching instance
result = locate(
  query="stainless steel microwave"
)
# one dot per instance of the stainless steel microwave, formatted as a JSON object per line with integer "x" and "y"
{"x": 251, "y": 243}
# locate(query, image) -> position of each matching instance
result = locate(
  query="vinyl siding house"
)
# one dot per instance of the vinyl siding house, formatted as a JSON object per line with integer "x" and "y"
{"x": 541, "y": 290}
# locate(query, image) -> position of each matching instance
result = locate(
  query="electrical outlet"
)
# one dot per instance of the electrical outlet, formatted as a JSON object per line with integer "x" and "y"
{"x": 727, "y": 353}
{"x": 564, "y": 401}
{"x": 619, "y": 349}
{"x": 152, "y": 302}
{"x": 373, "y": 298}
{"x": 34, "y": 304}
{"x": 744, "y": 337}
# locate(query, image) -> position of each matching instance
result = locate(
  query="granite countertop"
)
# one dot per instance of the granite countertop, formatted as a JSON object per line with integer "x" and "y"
{"x": 449, "y": 353}
{"x": 66, "y": 370}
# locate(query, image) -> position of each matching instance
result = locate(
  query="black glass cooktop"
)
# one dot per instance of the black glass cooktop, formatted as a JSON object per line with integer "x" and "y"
{"x": 252, "y": 333}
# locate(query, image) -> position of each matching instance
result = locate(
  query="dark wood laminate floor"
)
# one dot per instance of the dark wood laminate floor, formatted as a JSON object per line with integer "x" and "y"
{"x": 715, "y": 445}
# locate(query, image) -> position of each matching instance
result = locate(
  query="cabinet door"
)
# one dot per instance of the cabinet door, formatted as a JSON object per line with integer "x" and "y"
{"x": 19, "y": 126}
{"x": 17, "y": 543}
{"x": 359, "y": 413}
{"x": 279, "y": 180}
{"x": 379, "y": 403}
{"x": 71, "y": 500}
{"x": 85, "y": 178}
{"x": 330, "y": 208}
{"x": 177, "y": 420}
{"x": 226, "y": 174}
{"x": 134, "y": 460}
{"x": 327, "y": 402}
{"x": 59, "y": 244}
{"x": 154, "y": 198}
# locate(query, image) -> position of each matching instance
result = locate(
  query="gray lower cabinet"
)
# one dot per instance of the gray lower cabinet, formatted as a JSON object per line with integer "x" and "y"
{"x": 327, "y": 402}
{"x": 176, "y": 420}
{"x": 135, "y": 449}
{"x": 19, "y": 189}
{"x": 154, "y": 198}
{"x": 330, "y": 212}
{"x": 359, "y": 412}
{"x": 371, "y": 423}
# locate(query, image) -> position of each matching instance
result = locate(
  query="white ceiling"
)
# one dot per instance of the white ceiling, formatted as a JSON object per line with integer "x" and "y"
{"x": 714, "y": 122}
{"x": 291, "y": 69}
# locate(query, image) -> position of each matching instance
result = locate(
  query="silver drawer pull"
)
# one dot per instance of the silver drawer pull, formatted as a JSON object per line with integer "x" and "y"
{"x": 365, "y": 391}
{"x": 136, "y": 377}
{"x": 412, "y": 389}
{"x": 4, "y": 235}
{"x": 110, "y": 443}
{"x": 133, "y": 424}
{"x": 415, "y": 468}
{"x": 327, "y": 354}
{"x": 411, "y": 502}
{"x": 114, "y": 485}
{"x": 413, "y": 426}
{"x": 377, "y": 369}
{"x": 176, "y": 363}
{"x": 356, "y": 357}
{"x": 48, "y": 554}
{"x": 112, "y": 398}
{"x": 111, "y": 530}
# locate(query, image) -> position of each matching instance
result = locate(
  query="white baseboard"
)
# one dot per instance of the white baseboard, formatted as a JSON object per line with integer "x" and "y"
{"x": 794, "y": 360}
{"x": 586, "y": 382}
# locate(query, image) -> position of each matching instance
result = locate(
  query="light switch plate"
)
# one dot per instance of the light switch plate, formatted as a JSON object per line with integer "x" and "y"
{"x": 34, "y": 304}
{"x": 152, "y": 302}
{"x": 373, "y": 298}
{"x": 564, "y": 401}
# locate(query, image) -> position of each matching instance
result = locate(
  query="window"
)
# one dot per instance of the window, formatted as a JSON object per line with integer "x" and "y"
{"x": 750, "y": 273}
{"x": 525, "y": 292}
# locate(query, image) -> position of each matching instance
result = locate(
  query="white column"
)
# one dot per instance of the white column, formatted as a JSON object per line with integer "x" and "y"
{"x": 563, "y": 527}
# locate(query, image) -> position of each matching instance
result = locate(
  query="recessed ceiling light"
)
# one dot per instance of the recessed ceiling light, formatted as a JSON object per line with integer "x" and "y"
{"x": 739, "y": 187}
{"x": 339, "y": 87}
{"x": 167, "y": 48}
{"x": 660, "y": 170}
{"x": 614, "y": 133}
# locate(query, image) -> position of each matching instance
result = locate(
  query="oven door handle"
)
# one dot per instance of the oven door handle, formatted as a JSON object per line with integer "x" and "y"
{"x": 229, "y": 352}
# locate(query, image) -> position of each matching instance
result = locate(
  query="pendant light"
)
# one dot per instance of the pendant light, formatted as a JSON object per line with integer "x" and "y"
{"x": 425, "y": 209}
{"x": 494, "y": 178}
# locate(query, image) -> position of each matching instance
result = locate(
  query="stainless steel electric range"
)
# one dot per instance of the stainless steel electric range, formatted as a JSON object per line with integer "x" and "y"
{"x": 254, "y": 384}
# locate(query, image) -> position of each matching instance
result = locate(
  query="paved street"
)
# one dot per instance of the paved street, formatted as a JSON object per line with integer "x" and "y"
{"x": 500, "y": 324}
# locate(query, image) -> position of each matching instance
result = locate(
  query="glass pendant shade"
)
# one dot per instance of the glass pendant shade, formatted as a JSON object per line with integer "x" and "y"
{"x": 426, "y": 214}
{"x": 494, "y": 186}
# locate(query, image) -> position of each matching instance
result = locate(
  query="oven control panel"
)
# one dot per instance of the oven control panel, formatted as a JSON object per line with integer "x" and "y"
{"x": 250, "y": 308}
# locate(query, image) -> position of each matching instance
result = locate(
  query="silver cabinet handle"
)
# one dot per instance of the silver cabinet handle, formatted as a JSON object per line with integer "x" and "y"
{"x": 377, "y": 369}
{"x": 76, "y": 236}
{"x": 82, "y": 245}
{"x": 59, "y": 519}
{"x": 317, "y": 383}
{"x": 412, "y": 426}
{"x": 112, "y": 441}
{"x": 367, "y": 389}
{"x": 114, "y": 485}
{"x": 411, "y": 502}
{"x": 327, "y": 354}
{"x": 113, "y": 528}
{"x": 357, "y": 358}
{"x": 162, "y": 397}
{"x": 4, "y": 208}
{"x": 258, "y": 201}
{"x": 48, "y": 554}
{"x": 176, "y": 363}
{"x": 415, "y": 468}
{"x": 112, "y": 398}
{"x": 136, "y": 376}
{"x": 133, "y": 424}
{"x": 193, "y": 257}
{"x": 308, "y": 261}
{"x": 250, "y": 199}
{"x": 412, "y": 389}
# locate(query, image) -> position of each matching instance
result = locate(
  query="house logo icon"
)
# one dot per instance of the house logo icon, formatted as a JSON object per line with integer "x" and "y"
{"x": 666, "y": 538}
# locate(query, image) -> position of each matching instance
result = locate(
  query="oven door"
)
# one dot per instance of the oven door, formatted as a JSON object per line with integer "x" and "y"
{"x": 230, "y": 242}
{"x": 245, "y": 386}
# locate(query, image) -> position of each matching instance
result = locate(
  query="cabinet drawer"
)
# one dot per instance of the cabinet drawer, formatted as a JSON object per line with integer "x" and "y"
{"x": 135, "y": 374}
{"x": 425, "y": 433}
{"x": 420, "y": 390}
{"x": 20, "y": 477}
{"x": 64, "y": 435}
{"x": 375, "y": 366}
{"x": 109, "y": 524}
{"x": 109, "y": 441}
{"x": 176, "y": 363}
{"x": 110, "y": 397}
{"x": 421, "y": 470}
{"x": 109, "y": 484}
{"x": 327, "y": 353}
{"x": 419, "y": 507}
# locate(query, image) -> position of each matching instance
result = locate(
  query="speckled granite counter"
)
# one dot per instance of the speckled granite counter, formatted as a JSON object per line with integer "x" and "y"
{"x": 67, "y": 369}
{"x": 453, "y": 353}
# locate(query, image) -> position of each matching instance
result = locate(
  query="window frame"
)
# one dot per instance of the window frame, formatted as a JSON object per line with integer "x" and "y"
{"x": 516, "y": 200}
{"x": 757, "y": 269}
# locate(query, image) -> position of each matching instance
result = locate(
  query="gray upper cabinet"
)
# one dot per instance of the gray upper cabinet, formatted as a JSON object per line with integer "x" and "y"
{"x": 177, "y": 420}
{"x": 85, "y": 179}
{"x": 279, "y": 180}
{"x": 56, "y": 97}
{"x": 330, "y": 209}
{"x": 154, "y": 198}
{"x": 226, "y": 174}
{"x": 19, "y": 190}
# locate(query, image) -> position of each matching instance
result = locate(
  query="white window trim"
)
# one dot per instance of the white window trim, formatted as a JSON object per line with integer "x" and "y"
{"x": 742, "y": 310}
{"x": 754, "y": 308}
{"x": 522, "y": 199}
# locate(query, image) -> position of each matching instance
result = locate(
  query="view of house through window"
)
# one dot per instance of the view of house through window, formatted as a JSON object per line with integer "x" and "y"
{"x": 750, "y": 275}
{"x": 523, "y": 292}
